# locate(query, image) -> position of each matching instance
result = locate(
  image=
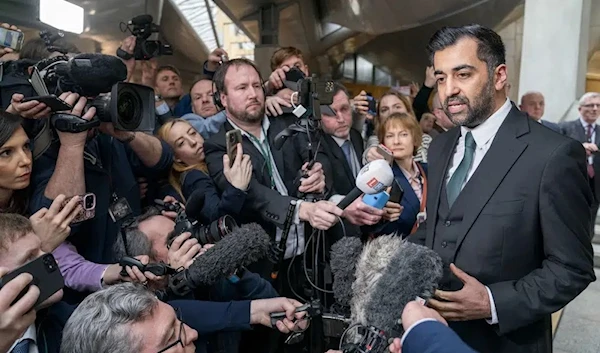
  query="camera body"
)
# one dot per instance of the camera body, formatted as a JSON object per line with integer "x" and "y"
{"x": 315, "y": 91}
{"x": 205, "y": 234}
{"x": 142, "y": 28}
{"x": 128, "y": 106}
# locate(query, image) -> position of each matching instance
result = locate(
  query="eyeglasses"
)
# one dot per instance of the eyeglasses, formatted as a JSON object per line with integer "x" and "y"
{"x": 181, "y": 337}
{"x": 592, "y": 105}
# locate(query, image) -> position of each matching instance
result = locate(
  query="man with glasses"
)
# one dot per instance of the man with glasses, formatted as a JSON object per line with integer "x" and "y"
{"x": 128, "y": 318}
{"x": 585, "y": 130}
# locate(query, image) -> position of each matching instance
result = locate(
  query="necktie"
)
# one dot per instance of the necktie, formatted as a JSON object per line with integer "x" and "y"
{"x": 23, "y": 346}
{"x": 590, "y": 166}
{"x": 347, "y": 148}
{"x": 460, "y": 175}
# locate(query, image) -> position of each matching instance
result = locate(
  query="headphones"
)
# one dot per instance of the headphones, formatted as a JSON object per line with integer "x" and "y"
{"x": 216, "y": 94}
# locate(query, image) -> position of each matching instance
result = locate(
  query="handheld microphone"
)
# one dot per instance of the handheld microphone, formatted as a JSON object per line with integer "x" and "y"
{"x": 374, "y": 177}
{"x": 390, "y": 273}
{"x": 244, "y": 246}
{"x": 141, "y": 20}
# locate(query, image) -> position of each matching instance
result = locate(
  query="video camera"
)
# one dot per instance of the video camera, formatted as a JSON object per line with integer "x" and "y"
{"x": 142, "y": 27}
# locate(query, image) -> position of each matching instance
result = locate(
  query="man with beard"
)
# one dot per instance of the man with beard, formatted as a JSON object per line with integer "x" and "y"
{"x": 508, "y": 205}
{"x": 272, "y": 189}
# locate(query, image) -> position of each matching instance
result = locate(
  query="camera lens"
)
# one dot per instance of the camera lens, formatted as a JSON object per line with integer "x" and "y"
{"x": 150, "y": 48}
{"x": 89, "y": 202}
{"x": 129, "y": 104}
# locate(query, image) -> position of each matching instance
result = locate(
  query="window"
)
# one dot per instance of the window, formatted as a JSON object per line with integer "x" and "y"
{"x": 364, "y": 70}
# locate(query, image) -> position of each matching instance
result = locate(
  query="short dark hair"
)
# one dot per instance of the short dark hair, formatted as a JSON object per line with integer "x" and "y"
{"x": 490, "y": 48}
{"x": 338, "y": 86}
{"x": 167, "y": 68}
{"x": 12, "y": 227}
{"x": 137, "y": 241}
{"x": 219, "y": 77}
{"x": 36, "y": 49}
{"x": 201, "y": 78}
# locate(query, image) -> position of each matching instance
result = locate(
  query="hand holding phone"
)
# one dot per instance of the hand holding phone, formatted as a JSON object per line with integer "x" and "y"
{"x": 11, "y": 38}
{"x": 51, "y": 101}
{"x": 233, "y": 137}
{"x": 17, "y": 317}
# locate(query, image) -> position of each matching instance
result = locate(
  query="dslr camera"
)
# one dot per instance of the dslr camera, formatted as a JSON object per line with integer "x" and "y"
{"x": 142, "y": 27}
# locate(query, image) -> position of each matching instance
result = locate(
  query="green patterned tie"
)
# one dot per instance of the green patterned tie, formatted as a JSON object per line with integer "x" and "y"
{"x": 460, "y": 174}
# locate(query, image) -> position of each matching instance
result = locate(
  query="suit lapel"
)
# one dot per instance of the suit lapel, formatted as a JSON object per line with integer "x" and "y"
{"x": 357, "y": 143}
{"x": 580, "y": 131}
{"x": 499, "y": 159}
{"x": 436, "y": 178}
{"x": 277, "y": 153}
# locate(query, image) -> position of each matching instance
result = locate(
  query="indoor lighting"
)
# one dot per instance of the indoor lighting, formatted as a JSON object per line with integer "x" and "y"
{"x": 62, "y": 14}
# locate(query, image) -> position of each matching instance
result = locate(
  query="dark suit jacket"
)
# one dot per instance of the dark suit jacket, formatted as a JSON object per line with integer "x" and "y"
{"x": 434, "y": 337}
{"x": 524, "y": 233}
{"x": 551, "y": 125}
{"x": 575, "y": 130}
{"x": 343, "y": 180}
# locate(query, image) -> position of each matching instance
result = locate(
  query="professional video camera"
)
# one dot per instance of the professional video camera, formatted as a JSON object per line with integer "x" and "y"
{"x": 142, "y": 27}
{"x": 99, "y": 77}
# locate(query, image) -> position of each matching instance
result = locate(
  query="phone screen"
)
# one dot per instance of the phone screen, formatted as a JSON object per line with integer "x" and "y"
{"x": 11, "y": 39}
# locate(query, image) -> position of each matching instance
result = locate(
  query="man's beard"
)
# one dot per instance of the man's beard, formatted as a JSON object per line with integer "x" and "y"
{"x": 482, "y": 108}
{"x": 248, "y": 117}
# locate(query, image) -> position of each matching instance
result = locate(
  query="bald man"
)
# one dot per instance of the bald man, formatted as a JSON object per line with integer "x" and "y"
{"x": 533, "y": 104}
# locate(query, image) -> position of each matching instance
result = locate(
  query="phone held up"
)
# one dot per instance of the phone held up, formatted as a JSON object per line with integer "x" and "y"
{"x": 88, "y": 207}
{"x": 11, "y": 39}
{"x": 387, "y": 155}
{"x": 233, "y": 137}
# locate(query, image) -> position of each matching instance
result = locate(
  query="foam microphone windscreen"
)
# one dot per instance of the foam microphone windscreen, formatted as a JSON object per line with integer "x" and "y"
{"x": 344, "y": 256}
{"x": 390, "y": 273}
{"x": 96, "y": 73}
{"x": 244, "y": 246}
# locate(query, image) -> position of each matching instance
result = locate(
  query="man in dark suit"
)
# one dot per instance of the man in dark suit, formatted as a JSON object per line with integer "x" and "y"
{"x": 533, "y": 104}
{"x": 585, "y": 130}
{"x": 508, "y": 205}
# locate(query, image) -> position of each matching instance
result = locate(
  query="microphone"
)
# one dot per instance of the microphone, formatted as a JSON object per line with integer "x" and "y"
{"x": 141, "y": 20}
{"x": 244, "y": 246}
{"x": 390, "y": 273}
{"x": 344, "y": 256}
{"x": 373, "y": 178}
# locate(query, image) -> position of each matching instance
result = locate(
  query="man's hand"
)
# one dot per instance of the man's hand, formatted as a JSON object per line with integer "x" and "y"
{"x": 590, "y": 148}
{"x": 360, "y": 214}
{"x": 273, "y": 105}
{"x": 414, "y": 311}
{"x": 27, "y": 110}
{"x": 470, "y": 303}
{"x": 321, "y": 215}
{"x": 128, "y": 46}
{"x": 112, "y": 275}
{"x": 361, "y": 103}
{"x": 171, "y": 214}
{"x": 214, "y": 59}
{"x": 277, "y": 77}
{"x": 392, "y": 211}
{"x": 315, "y": 183}
{"x": 15, "y": 319}
{"x": 286, "y": 95}
{"x": 78, "y": 140}
{"x": 430, "y": 80}
{"x": 52, "y": 225}
{"x": 240, "y": 173}
{"x": 143, "y": 185}
{"x": 261, "y": 309}
{"x": 183, "y": 251}
{"x": 372, "y": 154}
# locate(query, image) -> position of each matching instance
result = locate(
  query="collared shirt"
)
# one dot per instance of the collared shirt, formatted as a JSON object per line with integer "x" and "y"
{"x": 593, "y": 137}
{"x": 355, "y": 163}
{"x": 295, "y": 240}
{"x": 29, "y": 334}
{"x": 414, "y": 179}
{"x": 484, "y": 136}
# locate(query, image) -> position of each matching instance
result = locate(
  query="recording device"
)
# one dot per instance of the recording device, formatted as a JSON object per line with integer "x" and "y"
{"x": 168, "y": 206}
{"x": 142, "y": 27}
{"x": 46, "y": 276}
{"x": 51, "y": 101}
{"x": 377, "y": 200}
{"x": 12, "y": 39}
{"x": 88, "y": 207}
{"x": 385, "y": 153}
{"x": 397, "y": 193}
{"x": 246, "y": 245}
{"x": 372, "y": 104}
{"x": 373, "y": 178}
{"x": 187, "y": 221}
{"x": 50, "y": 37}
{"x": 232, "y": 137}
{"x": 389, "y": 274}
{"x": 158, "y": 269}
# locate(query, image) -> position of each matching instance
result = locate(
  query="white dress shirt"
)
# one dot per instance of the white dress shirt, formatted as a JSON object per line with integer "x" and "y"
{"x": 484, "y": 136}
{"x": 31, "y": 334}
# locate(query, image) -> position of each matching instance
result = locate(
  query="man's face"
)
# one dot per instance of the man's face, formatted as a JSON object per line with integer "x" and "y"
{"x": 533, "y": 104}
{"x": 294, "y": 61}
{"x": 21, "y": 251}
{"x": 338, "y": 125}
{"x": 202, "y": 99}
{"x": 162, "y": 329}
{"x": 244, "y": 98}
{"x": 590, "y": 109}
{"x": 157, "y": 229}
{"x": 168, "y": 84}
{"x": 440, "y": 115}
{"x": 465, "y": 89}
{"x": 426, "y": 122}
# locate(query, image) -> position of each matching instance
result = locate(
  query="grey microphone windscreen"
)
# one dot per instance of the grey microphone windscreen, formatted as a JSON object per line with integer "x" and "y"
{"x": 244, "y": 246}
{"x": 392, "y": 272}
{"x": 344, "y": 256}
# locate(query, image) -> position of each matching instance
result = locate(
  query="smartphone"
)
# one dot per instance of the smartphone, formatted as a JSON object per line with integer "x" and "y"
{"x": 56, "y": 104}
{"x": 88, "y": 207}
{"x": 46, "y": 276}
{"x": 397, "y": 193}
{"x": 372, "y": 105}
{"x": 294, "y": 75}
{"x": 11, "y": 39}
{"x": 385, "y": 153}
{"x": 233, "y": 138}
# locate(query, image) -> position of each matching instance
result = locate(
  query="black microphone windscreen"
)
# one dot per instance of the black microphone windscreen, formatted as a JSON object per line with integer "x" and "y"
{"x": 141, "y": 20}
{"x": 244, "y": 246}
{"x": 96, "y": 73}
{"x": 392, "y": 272}
{"x": 194, "y": 205}
{"x": 344, "y": 256}
{"x": 348, "y": 199}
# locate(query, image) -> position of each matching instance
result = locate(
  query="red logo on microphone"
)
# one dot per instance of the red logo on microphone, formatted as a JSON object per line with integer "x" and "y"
{"x": 375, "y": 184}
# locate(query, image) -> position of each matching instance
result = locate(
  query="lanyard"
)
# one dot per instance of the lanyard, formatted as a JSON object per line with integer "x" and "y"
{"x": 423, "y": 197}
{"x": 266, "y": 155}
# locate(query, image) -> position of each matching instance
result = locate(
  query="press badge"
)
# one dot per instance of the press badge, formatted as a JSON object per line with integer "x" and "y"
{"x": 119, "y": 209}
